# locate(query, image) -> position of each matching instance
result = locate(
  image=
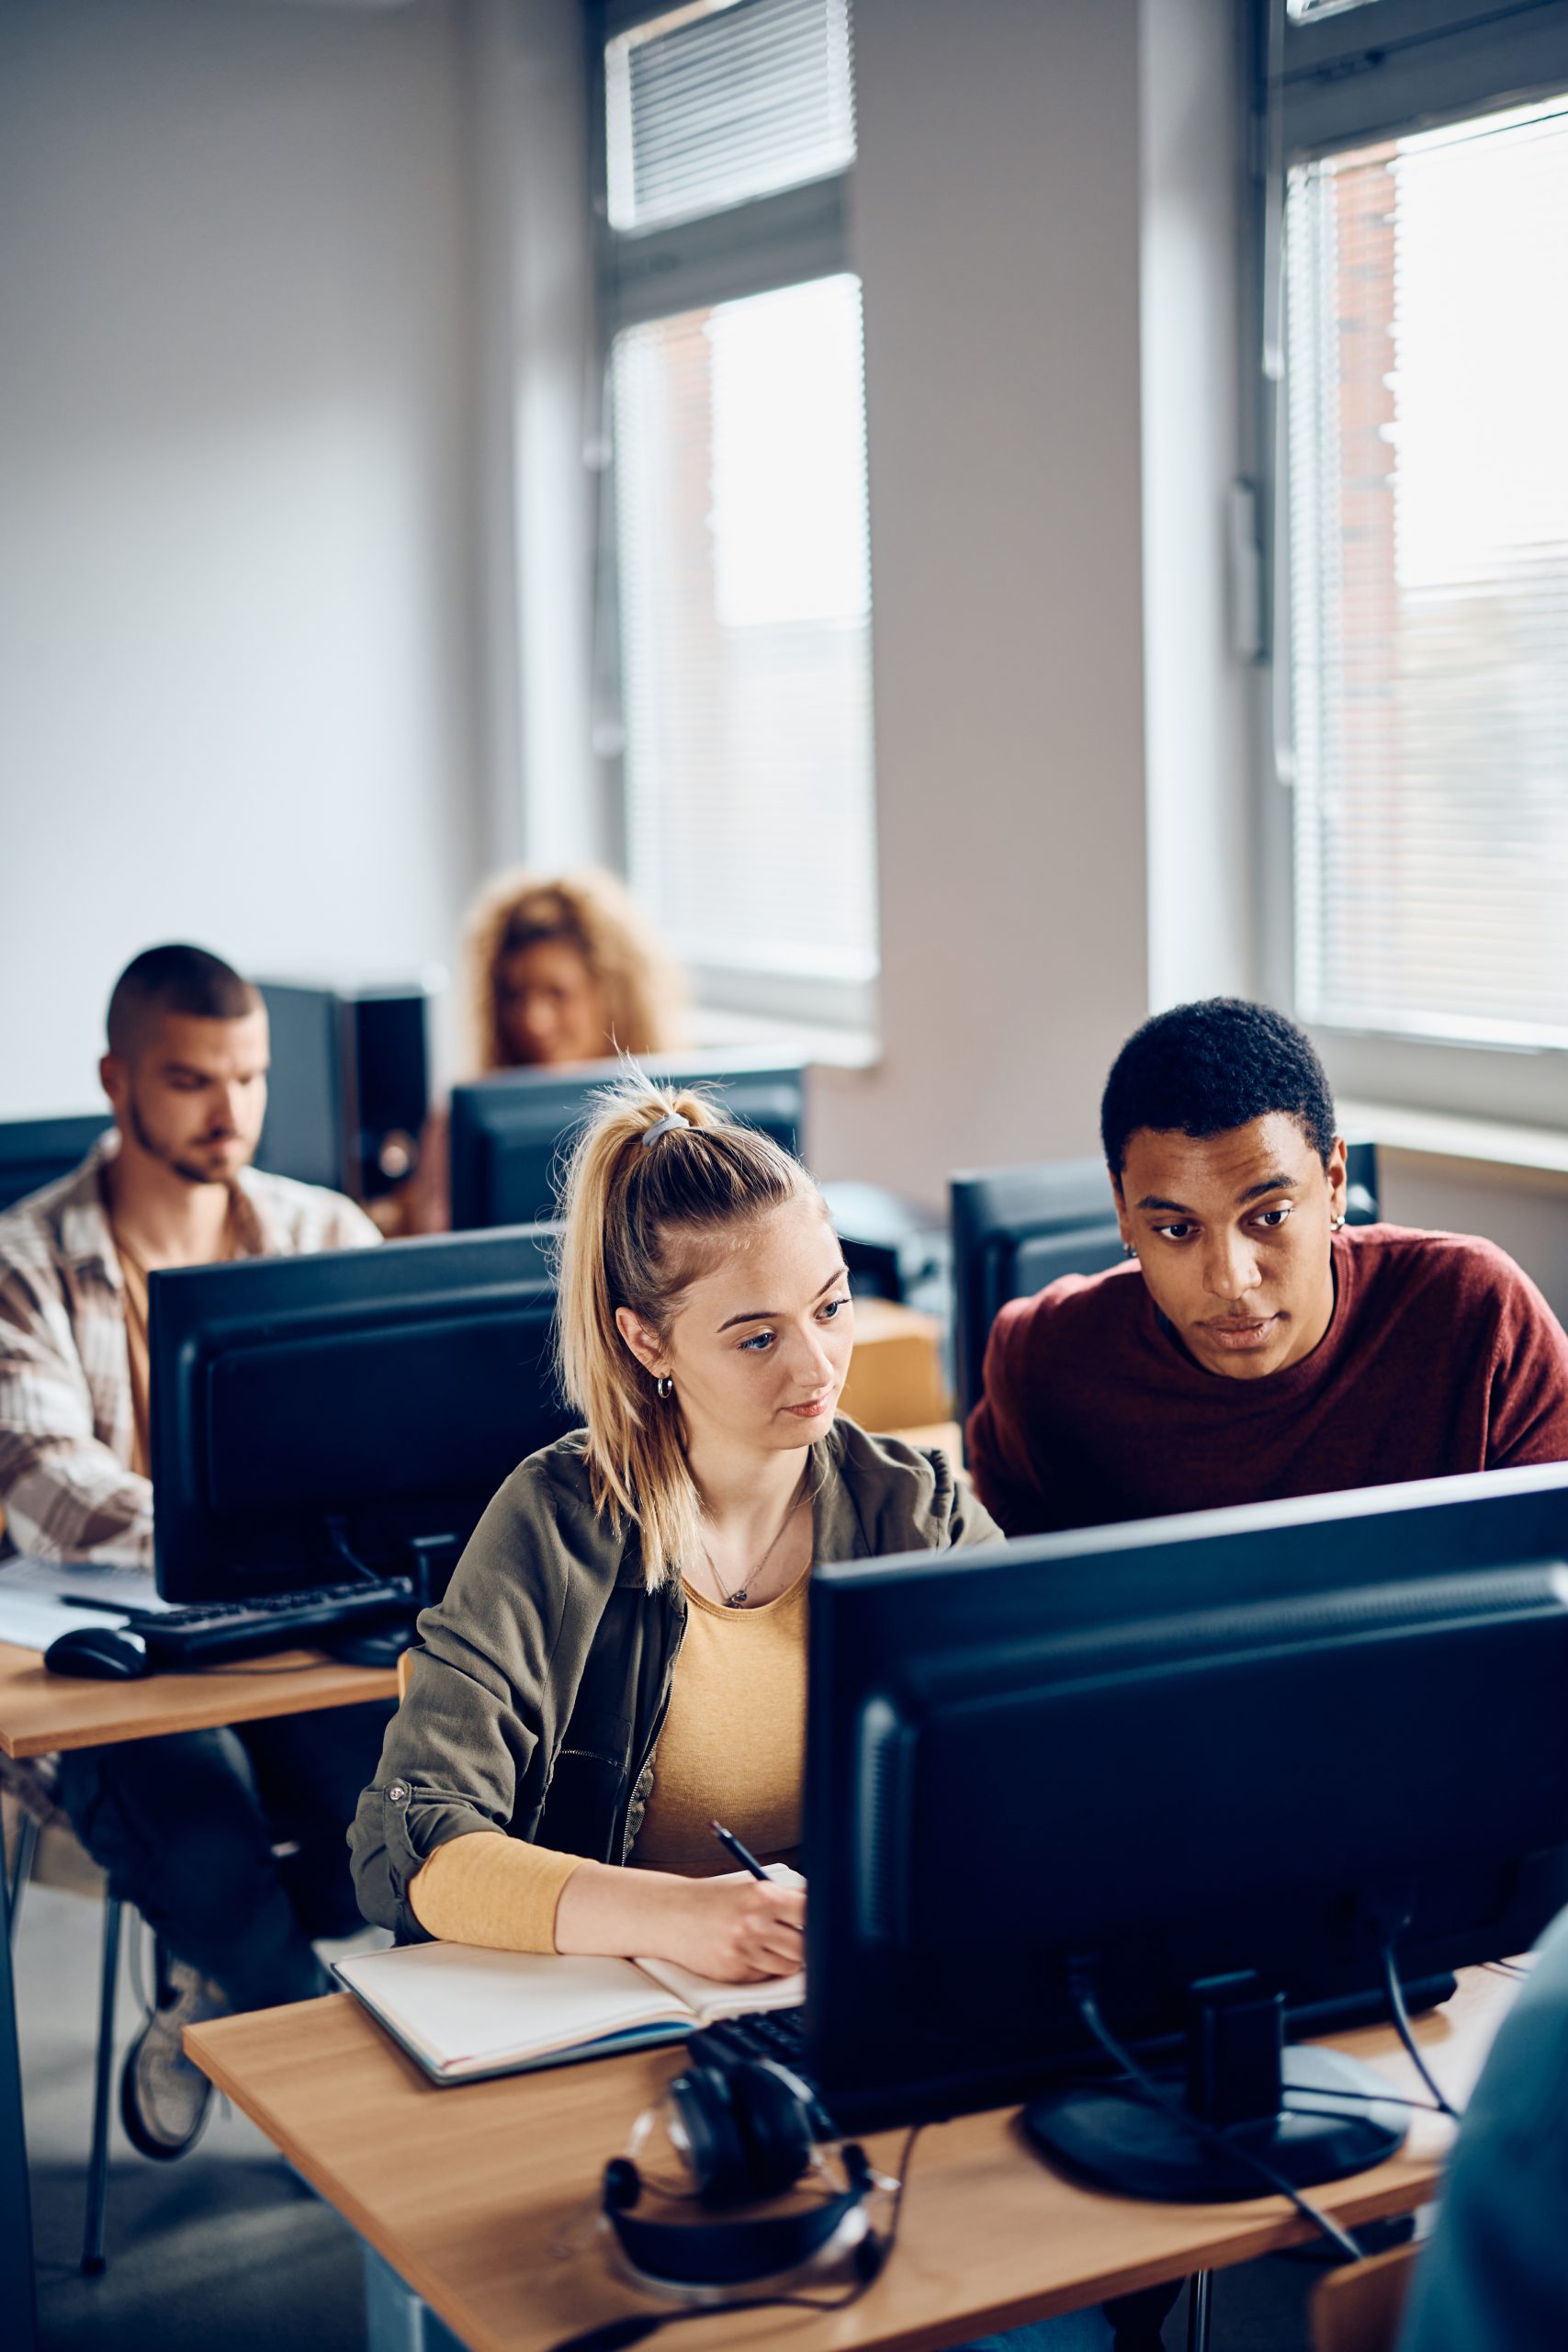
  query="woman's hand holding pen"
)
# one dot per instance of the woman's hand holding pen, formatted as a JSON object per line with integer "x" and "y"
{"x": 738, "y": 1929}
{"x": 741, "y": 1928}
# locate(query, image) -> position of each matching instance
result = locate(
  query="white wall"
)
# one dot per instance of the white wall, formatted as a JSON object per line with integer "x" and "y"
{"x": 995, "y": 224}
{"x": 1202, "y": 794}
{"x": 1525, "y": 1212}
{"x": 235, "y": 573}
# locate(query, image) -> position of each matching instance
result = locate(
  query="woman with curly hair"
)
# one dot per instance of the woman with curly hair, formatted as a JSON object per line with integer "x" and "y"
{"x": 565, "y": 970}
{"x": 556, "y": 969}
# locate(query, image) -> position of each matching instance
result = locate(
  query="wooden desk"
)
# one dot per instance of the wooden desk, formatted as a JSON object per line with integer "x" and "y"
{"x": 894, "y": 1378}
{"x": 464, "y": 2191}
{"x": 41, "y": 1713}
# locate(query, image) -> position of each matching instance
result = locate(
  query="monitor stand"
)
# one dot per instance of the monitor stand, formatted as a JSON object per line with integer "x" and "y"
{"x": 383, "y": 1645}
{"x": 1309, "y": 2113}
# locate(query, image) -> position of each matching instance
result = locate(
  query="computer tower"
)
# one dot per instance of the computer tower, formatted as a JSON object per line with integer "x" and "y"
{"x": 350, "y": 1084}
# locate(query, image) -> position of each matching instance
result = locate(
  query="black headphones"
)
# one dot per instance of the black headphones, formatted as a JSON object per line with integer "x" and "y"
{"x": 742, "y": 2133}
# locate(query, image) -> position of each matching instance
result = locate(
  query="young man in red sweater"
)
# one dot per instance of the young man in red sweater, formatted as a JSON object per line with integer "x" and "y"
{"x": 1258, "y": 1347}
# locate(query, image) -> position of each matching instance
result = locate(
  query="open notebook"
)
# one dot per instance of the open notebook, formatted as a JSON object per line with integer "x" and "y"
{"x": 463, "y": 2013}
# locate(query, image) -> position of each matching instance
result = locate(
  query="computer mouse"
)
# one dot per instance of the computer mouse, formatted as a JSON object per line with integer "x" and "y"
{"x": 103, "y": 1653}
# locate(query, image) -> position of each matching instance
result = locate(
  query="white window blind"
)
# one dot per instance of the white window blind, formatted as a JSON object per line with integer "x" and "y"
{"x": 745, "y": 631}
{"x": 1428, "y": 456}
{"x": 723, "y": 101}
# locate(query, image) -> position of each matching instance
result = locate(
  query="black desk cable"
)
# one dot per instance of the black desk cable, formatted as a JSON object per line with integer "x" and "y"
{"x": 1401, "y": 2026}
{"x": 1234, "y": 2150}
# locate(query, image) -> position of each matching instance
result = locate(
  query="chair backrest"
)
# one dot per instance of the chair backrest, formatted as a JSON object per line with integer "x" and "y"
{"x": 33, "y": 1152}
{"x": 1016, "y": 1230}
{"x": 1359, "y": 2308}
{"x": 1361, "y": 1183}
{"x": 405, "y": 1671}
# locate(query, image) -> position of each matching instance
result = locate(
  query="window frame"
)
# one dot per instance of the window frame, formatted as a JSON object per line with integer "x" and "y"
{"x": 759, "y": 247}
{"x": 1319, "y": 86}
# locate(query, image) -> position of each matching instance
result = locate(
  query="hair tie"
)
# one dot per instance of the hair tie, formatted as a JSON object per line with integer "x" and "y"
{"x": 675, "y": 1119}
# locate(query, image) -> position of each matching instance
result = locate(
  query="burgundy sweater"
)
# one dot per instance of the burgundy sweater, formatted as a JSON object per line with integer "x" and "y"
{"x": 1440, "y": 1356}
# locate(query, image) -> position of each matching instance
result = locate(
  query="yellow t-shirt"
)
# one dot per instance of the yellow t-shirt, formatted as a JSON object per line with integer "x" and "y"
{"x": 733, "y": 1746}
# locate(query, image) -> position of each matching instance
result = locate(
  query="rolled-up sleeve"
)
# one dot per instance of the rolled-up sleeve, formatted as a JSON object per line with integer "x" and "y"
{"x": 463, "y": 1743}
{"x": 66, "y": 1495}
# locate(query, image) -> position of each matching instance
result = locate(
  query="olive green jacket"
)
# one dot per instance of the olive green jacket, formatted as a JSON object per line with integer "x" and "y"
{"x": 535, "y": 1703}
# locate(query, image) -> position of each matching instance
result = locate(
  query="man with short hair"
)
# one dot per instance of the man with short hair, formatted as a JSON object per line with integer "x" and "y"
{"x": 1259, "y": 1347}
{"x": 184, "y": 1825}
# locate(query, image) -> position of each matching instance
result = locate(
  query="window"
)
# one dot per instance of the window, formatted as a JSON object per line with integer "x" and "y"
{"x": 1429, "y": 373}
{"x": 709, "y": 106}
{"x": 742, "y": 605}
{"x": 1422, "y": 506}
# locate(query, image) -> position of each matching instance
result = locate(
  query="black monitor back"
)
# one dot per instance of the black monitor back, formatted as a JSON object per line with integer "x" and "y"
{"x": 1017, "y": 1229}
{"x": 510, "y": 1133}
{"x": 346, "y": 1406}
{"x": 1168, "y": 1752}
{"x": 35, "y": 1152}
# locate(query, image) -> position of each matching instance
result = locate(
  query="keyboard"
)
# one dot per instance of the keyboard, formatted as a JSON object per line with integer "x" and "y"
{"x": 205, "y": 1632}
{"x": 758, "y": 2033}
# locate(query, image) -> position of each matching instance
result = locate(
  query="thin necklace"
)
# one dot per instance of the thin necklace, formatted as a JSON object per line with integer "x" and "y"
{"x": 737, "y": 1600}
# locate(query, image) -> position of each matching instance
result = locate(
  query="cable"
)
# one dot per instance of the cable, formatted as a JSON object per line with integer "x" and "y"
{"x": 634, "y": 2327}
{"x": 1235, "y": 2151}
{"x": 1372, "y": 2098}
{"x": 1401, "y": 2026}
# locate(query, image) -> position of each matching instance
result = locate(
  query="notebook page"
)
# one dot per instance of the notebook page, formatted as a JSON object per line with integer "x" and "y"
{"x": 708, "y": 1999}
{"x": 462, "y": 2008}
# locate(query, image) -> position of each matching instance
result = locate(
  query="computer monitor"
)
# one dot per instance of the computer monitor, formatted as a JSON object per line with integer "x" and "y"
{"x": 1017, "y": 1229}
{"x": 1133, "y": 1761}
{"x": 35, "y": 1152}
{"x": 510, "y": 1133}
{"x": 350, "y": 1408}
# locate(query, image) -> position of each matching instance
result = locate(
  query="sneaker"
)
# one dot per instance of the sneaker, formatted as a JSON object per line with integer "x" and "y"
{"x": 163, "y": 2099}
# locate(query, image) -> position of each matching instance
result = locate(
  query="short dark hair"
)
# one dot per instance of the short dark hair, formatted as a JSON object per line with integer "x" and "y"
{"x": 175, "y": 980}
{"x": 1201, "y": 1069}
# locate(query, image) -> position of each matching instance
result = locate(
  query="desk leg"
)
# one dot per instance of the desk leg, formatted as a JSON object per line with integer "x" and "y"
{"x": 1198, "y": 2312}
{"x": 396, "y": 2318}
{"x": 17, "y": 2296}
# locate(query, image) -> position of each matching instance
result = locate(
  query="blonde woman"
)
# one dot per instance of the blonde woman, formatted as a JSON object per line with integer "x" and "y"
{"x": 622, "y": 1652}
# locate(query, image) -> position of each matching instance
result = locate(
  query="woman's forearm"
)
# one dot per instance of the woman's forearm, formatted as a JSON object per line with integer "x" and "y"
{"x": 628, "y": 1914}
{"x": 498, "y": 1891}
{"x": 738, "y": 1929}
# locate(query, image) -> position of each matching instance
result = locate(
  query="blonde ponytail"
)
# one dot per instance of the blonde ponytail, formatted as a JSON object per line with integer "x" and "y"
{"x": 637, "y": 1214}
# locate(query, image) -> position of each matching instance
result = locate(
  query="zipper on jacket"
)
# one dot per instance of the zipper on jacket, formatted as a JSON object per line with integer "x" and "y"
{"x": 623, "y": 1812}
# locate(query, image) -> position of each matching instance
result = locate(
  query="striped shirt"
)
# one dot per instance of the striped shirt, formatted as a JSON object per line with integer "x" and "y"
{"x": 67, "y": 1418}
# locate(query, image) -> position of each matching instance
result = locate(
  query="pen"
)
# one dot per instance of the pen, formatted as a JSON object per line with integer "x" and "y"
{"x": 732, "y": 1845}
